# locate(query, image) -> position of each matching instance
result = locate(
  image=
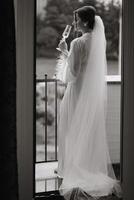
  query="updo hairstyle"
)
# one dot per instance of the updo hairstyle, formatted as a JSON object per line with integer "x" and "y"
{"x": 87, "y": 15}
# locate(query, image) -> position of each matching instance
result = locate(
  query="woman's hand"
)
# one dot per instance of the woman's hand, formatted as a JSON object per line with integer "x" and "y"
{"x": 63, "y": 46}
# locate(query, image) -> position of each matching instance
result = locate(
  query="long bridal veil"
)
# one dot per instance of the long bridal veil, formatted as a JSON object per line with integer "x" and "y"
{"x": 87, "y": 160}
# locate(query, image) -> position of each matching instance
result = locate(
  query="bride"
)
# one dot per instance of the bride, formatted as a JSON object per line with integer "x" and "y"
{"x": 83, "y": 156}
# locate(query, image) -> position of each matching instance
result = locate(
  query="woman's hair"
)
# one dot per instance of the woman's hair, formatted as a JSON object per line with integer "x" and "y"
{"x": 86, "y": 14}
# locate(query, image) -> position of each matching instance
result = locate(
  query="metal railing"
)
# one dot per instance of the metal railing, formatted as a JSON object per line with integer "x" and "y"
{"x": 47, "y": 80}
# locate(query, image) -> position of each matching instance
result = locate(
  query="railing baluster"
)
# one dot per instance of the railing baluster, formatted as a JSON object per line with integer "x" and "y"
{"x": 55, "y": 183}
{"x": 45, "y": 117}
{"x": 45, "y": 185}
{"x": 55, "y": 119}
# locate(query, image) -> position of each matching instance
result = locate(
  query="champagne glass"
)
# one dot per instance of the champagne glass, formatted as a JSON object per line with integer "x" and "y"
{"x": 65, "y": 33}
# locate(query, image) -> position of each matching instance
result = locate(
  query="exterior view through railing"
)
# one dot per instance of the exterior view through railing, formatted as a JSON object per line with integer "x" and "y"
{"x": 49, "y": 92}
{"x": 48, "y": 118}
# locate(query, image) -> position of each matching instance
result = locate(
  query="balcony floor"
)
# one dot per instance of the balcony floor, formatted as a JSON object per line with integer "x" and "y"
{"x": 46, "y": 179}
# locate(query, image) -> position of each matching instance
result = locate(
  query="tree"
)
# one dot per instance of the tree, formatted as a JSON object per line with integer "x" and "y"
{"x": 60, "y": 12}
{"x": 112, "y": 17}
{"x": 56, "y": 14}
{"x": 39, "y": 24}
{"x": 47, "y": 39}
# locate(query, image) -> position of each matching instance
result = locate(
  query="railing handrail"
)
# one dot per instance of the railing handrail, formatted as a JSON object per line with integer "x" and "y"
{"x": 113, "y": 78}
{"x": 109, "y": 78}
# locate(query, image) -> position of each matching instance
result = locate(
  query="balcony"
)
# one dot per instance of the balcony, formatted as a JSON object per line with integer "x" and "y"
{"x": 46, "y": 133}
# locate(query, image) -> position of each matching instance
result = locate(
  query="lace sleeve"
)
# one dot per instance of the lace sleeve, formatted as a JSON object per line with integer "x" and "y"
{"x": 73, "y": 61}
{"x": 70, "y": 64}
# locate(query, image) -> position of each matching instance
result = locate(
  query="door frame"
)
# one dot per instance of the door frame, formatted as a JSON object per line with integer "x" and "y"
{"x": 25, "y": 23}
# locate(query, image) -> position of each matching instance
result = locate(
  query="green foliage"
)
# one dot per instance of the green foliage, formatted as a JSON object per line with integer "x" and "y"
{"x": 60, "y": 12}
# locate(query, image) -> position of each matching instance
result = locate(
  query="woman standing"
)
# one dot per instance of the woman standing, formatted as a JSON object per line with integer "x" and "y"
{"x": 83, "y": 157}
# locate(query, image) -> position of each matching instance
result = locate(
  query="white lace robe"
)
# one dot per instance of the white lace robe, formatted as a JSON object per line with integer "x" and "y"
{"x": 73, "y": 66}
{"x": 83, "y": 157}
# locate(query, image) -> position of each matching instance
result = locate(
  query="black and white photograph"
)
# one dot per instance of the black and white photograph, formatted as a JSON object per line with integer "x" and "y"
{"x": 67, "y": 99}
